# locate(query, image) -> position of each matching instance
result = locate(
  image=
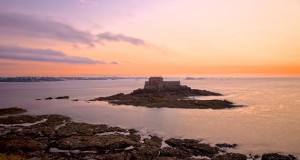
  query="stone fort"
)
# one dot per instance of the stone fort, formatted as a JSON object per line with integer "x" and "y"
{"x": 157, "y": 83}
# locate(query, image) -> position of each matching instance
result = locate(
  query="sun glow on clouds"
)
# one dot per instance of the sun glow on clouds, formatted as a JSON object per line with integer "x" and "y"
{"x": 168, "y": 38}
{"x": 43, "y": 55}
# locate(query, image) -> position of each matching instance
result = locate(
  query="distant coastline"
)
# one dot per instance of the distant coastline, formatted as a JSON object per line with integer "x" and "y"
{"x": 193, "y": 78}
{"x": 65, "y": 78}
{"x": 49, "y": 79}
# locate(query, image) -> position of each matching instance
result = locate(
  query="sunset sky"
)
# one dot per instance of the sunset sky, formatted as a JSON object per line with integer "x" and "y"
{"x": 149, "y": 37}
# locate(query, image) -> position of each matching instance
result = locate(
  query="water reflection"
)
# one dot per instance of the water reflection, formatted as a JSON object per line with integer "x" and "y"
{"x": 269, "y": 123}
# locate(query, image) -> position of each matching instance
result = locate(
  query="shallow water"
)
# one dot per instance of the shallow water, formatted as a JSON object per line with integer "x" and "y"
{"x": 270, "y": 121}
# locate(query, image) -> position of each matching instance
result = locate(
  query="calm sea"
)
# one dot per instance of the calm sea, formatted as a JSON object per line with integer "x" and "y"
{"x": 269, "y": 122}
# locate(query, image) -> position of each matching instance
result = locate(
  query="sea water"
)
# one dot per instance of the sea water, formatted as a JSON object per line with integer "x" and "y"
{"x": 268, "y": 122}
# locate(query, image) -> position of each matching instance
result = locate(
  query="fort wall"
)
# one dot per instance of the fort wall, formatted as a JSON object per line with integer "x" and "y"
{"x": 157, "y": 83}
{"x": 171, "y": 84}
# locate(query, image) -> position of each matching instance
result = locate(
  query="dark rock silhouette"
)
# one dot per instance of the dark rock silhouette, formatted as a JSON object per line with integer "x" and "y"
{"x": 230, "y": 156}
{"x": 276, "y": 156}
{"x": 225, "y": 145}
{"x": 170, "y": 94}
{"x": 49, "y": 98}
{"x": 12, "y": 110}
{"x": 62, "y": 97}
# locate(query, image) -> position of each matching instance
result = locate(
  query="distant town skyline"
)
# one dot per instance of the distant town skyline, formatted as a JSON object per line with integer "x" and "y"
{"x": 143, "y": 38}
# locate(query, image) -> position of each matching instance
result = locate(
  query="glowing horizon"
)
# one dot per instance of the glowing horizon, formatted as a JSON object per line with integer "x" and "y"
{"x": 143, "y": 38}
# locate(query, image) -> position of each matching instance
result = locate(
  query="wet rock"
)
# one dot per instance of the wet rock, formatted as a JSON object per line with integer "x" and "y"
{"x": 167, "y": 158}
{"x": 49, "y": 98}
{"x": 133, "y": 131}
{"x": 46, "y": 128}
{"x": 100, "y": 143}
{"x": 73, "y": 128}
{"x": 114, "y": 156}
{"x": 276, "y": 156}
{"x": 153, "y": 141}
{"x": 20, "y": 119}
{"x": 134, "y": 137}
{"x": 12, "y": 110}
{"x": 145, "y": 152}
{"x": 230, "y": 156}
{"x": 54, "y": 119}
{"x": 253, "y": 157}
{"x": 226, "y": 145}
{"x": 256, "y": 156}
{"x": 62, "y": 97}
{"x": 149, "y": 150}
{"x": 65, "y": 156}
{"x": 20, "y": 144}
{"x": 174, "y": 152}
{"x": 115, "y": 97}
{"x": 85, "y": 129}
{"x": 10, "y": 157}
{"x": 193, "y": 147}
{"x": 116, "y": 129}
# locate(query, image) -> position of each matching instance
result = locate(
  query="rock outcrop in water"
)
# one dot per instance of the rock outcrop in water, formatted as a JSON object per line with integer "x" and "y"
{"x": 277, "y": 156}
{"x": 57, "y": 137}
{"x": 170, "y": 94}
{"x": 12, "y": 110}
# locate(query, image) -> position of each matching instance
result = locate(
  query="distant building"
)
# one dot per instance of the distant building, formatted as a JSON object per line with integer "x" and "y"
{"x": 157, "y": 83}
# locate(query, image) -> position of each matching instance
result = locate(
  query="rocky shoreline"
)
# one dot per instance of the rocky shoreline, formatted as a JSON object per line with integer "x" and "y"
{"x": 57, "y": 137}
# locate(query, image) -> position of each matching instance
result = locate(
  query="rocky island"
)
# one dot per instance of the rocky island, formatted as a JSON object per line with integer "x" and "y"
{"x": 171, "y": 94}
{"x": 58, "y": 137}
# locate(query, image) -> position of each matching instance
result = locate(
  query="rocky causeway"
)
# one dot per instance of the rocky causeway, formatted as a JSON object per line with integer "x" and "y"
{"x": 58, "y": 137}
{"x": 170, "y": 94}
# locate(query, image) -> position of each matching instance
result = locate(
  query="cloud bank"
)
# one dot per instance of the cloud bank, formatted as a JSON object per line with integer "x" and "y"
{"x": 107, "y": 36}
{"x": 46, "y": 55}
{"x": 17, "y": 24}
{"x": 31, "y": 26}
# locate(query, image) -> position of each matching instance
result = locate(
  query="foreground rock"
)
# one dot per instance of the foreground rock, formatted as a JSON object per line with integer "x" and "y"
{"x": 276, "y": 156}
{"x": 193, "y": 147}
{"x": 225, "y": 145}
{"x": 57, "y": 137}
{"x": 230, "y": 156}
{"x": 158, "y": 93}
